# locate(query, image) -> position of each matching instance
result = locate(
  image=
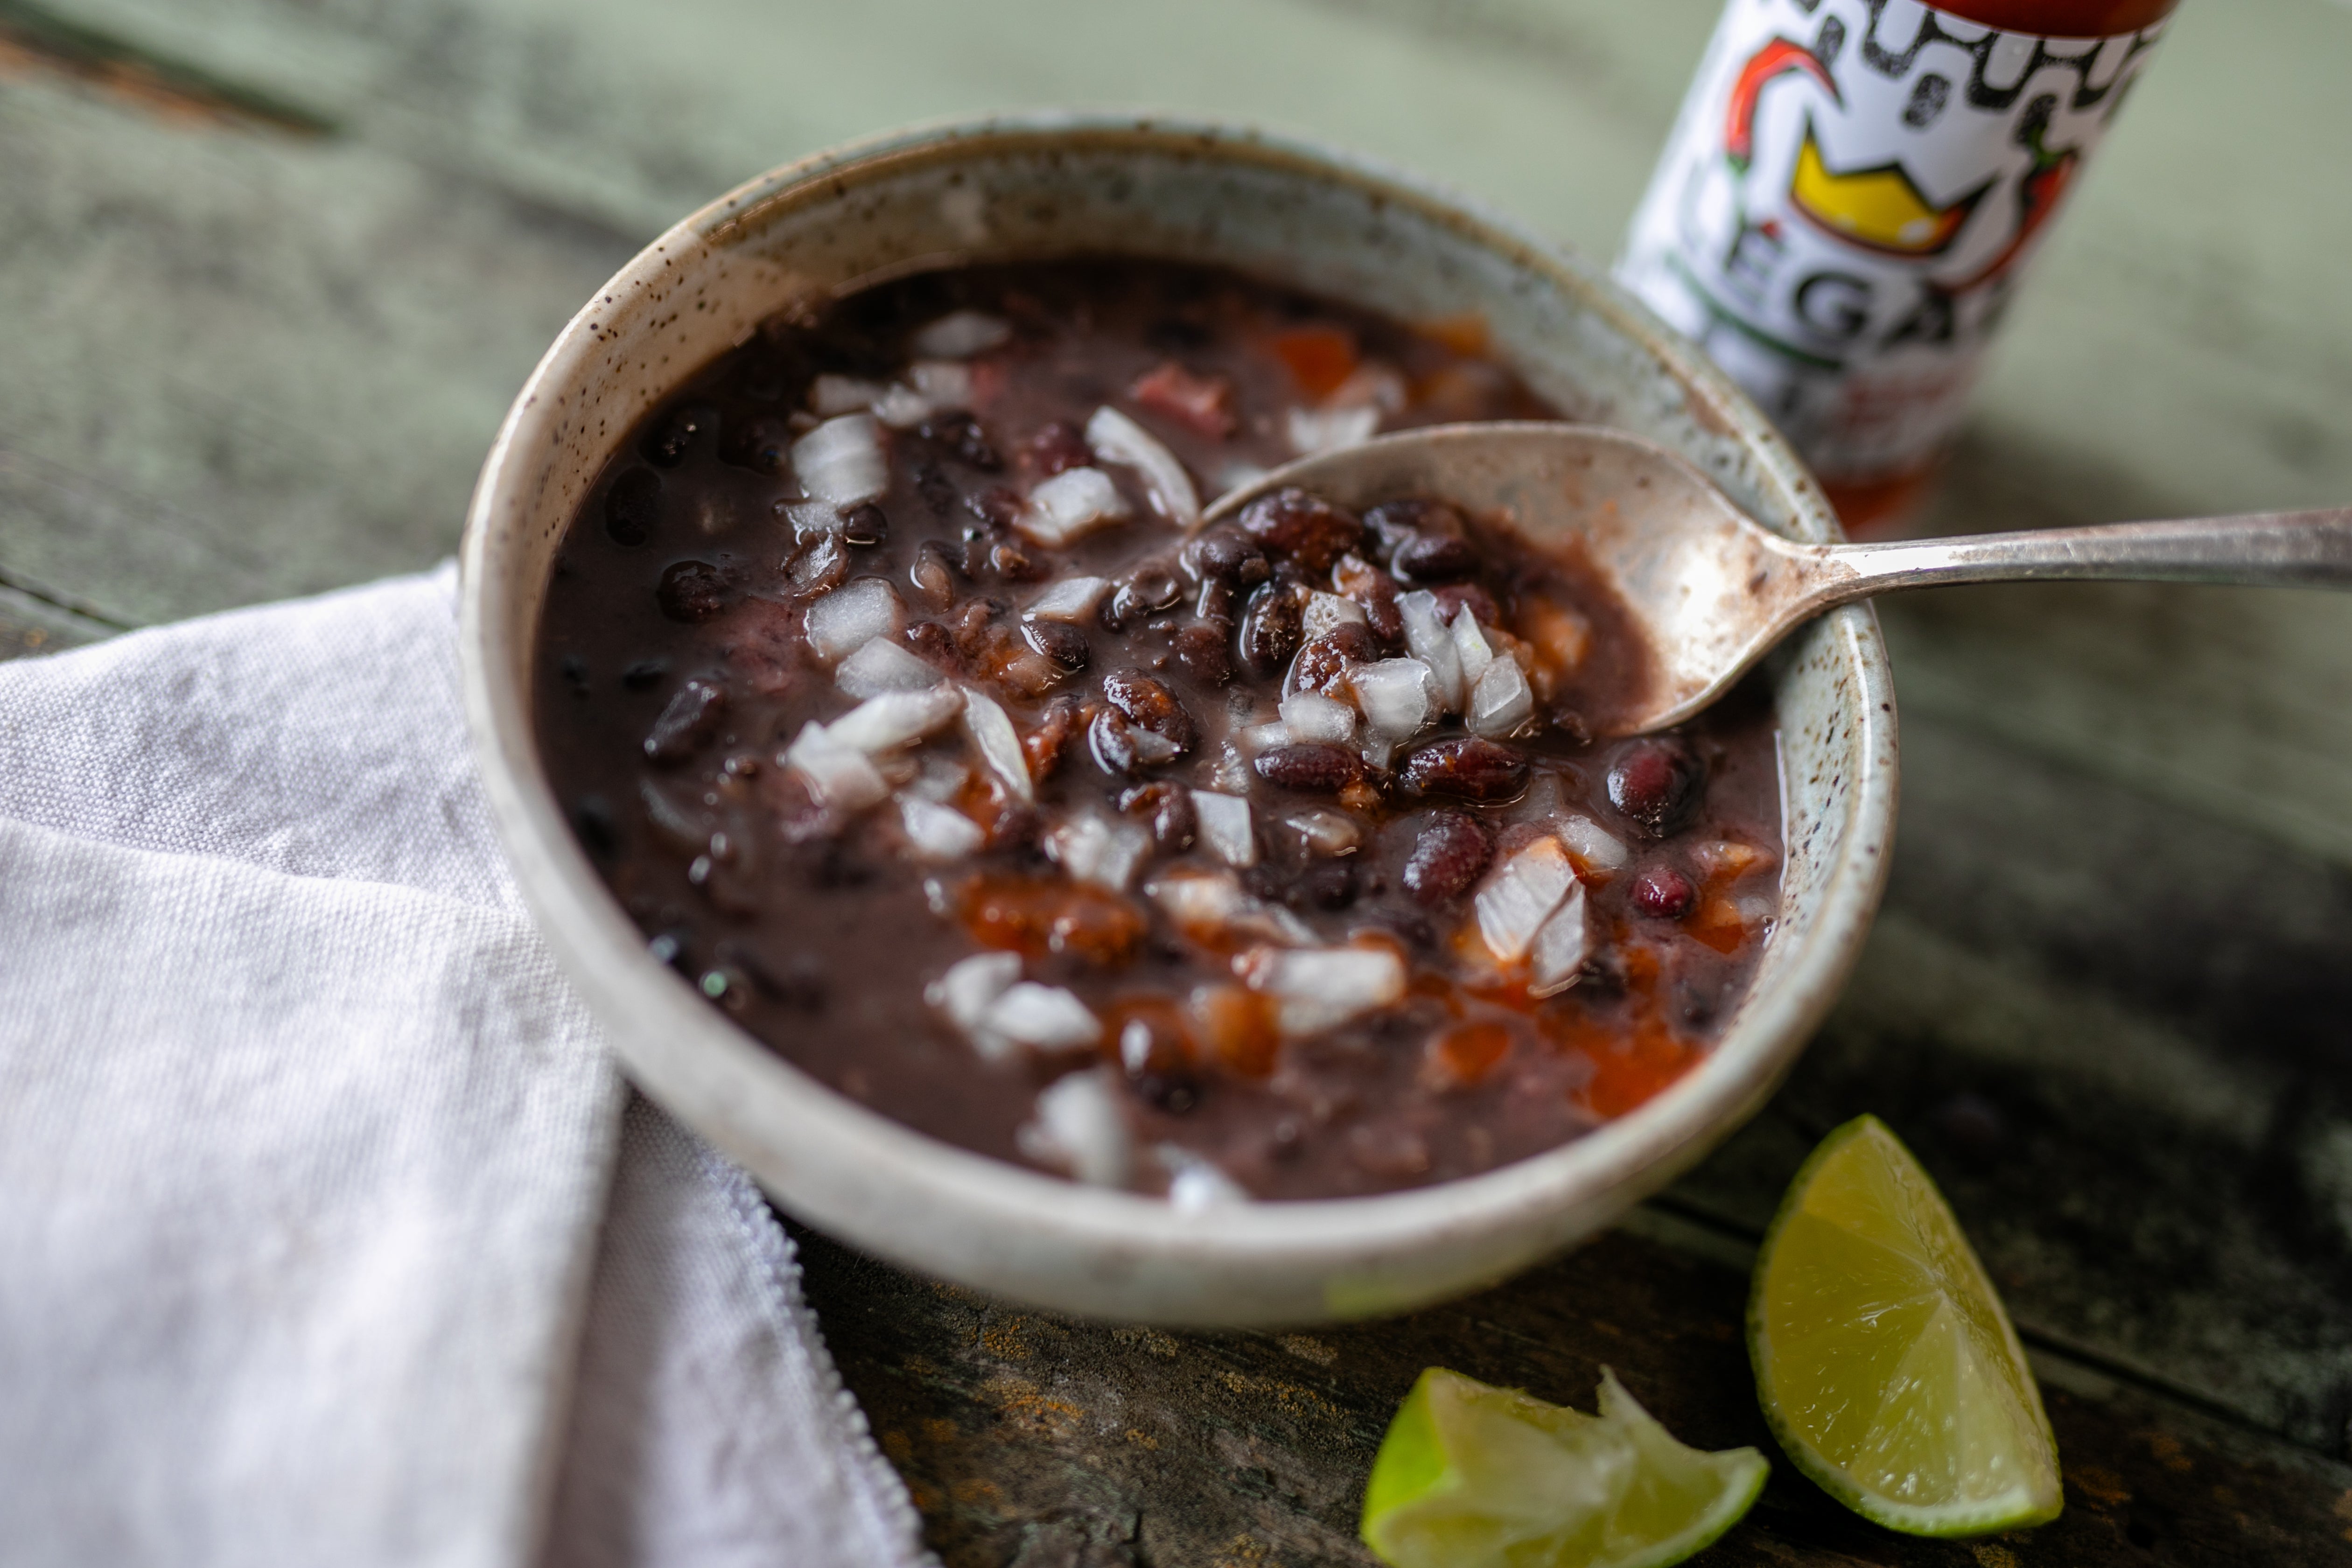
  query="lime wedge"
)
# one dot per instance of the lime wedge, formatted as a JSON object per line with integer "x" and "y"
{"x": 1471, "y": 1475}
{"x": 1885, "y": 1362}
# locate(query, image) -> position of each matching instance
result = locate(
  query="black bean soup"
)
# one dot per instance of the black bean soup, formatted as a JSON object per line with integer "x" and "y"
{"x": 893, "y": 693}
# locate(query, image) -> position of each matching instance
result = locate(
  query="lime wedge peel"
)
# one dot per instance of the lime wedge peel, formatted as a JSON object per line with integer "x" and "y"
{"x": 1885, "y": 1362}
{"x": 1471, "y": 1475}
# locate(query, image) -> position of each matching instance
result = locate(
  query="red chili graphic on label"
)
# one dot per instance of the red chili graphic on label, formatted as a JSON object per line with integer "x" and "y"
{"x": 1775, "y": 59}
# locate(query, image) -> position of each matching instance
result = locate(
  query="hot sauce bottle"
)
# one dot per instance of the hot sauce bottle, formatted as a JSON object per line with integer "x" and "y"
{"x": 1851, "y": 196}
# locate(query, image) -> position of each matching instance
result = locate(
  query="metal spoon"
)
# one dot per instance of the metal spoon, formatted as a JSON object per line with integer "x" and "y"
{"x": 1711, "y": 591}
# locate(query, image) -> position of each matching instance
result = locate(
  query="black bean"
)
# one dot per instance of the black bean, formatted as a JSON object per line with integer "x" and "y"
{"x": 1324, "y": 885}
{"x": 865, "y": 525}
{"x": 1149, "y": 586}
{"x": 932, "y": 576}
{"x": 1015, "y": 564}
{"x": 1059, "y": 641}
{"x": 1322, "y": 664}
{"x": 692, "y": 591}
{"x": 999, "y": 506}
{"x": 687, "y": 721}
{"x": 962, "y": 436}
{"x": 1046, "y": 745}
{"x": 1393, "y": 524}
{"x": 1664, "y": 892}
{"x": 1306, "y": 528}
{"x": 931, "y": 640}
{"x": 1204, "y": 650}
{"x": 1150, "y": 706}
{"x": 1454, "y": 597}
{"x": 1311, "y": 769}
{"x": 1434, "y": 558}
{"x": 1654, "y": 782}
{"x": 1169, "y": 811}
{"x": 1270, "y": 628}
{"x": 1466, "y": 768}
{"x": 1225, "y": 554}
{"x": 1448, "y": 854}
{"x": 1059, "y": 446}
{"x": 667, "y": 444}
{"x": 764, "y": 443}
{"x": 633, "y": 507}
{"x": 938, "y": 491}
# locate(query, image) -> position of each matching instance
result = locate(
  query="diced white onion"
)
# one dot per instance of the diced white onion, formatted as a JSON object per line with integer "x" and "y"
{"x": 1232, "y": 771}
{"x": 883, "y": 664}
{"x": 1517, "y": 898}
{"x": 811, "y": 517}
{"x": 1313, "y": 430}
{"x": 1071, "y": 599}
{"x": 1071, "y": 503}
{"x": 1591, "y": 846}
{"x": 1326, "y": 832}
{"x": 1502, "y": 700}
{"x": 895, "y": 718}
{"x": 1079, "y": 1127}
{"x": 841, "y": 460}
{"x": 1399, "y": 695}
{"x": 965, "y": 992}
{"x": 843, "y": 777}
{"x": 1095, "y": 848}
{"x": 960, "y": 334}
{"x": 1373, "y": 384}
{"x": 1320, "y": 988}
{"x": 831, "y": 396}
{"x": 1327, "y": 613}
{"x": 940, "y": 779}
{"x": 1210, "y": 905}
{"x": 943, "y": 382}
{"x": 1470, "y": 644}
{"x": 1195, "y": 1183}
{"x": 1426, "y": 633}
{"x": 851, "y": 616}
{"x": 1256, "y": 738}
{"x": 937, "y": 832}
{"x": 1225, "y": 829}
{"x": 1556, "y": 956}
{"x": 1116, "y": 438}
{"x": 902, "y": 407}
{"x": 998, "y": 744}
{"x": 1313, "y": 718}
{"x": 1042, "y": 1017}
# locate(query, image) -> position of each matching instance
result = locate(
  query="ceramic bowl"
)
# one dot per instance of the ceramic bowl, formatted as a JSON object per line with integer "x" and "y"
{"x": 1323, "y": 221}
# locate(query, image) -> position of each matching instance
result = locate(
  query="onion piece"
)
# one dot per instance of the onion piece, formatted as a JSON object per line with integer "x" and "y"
{"x": 1225, "y": 828}
{"x": 1094, "y": 849}
{"x": 1072, "y": 503}
{"x": 1327, "y": 613}
{"x": 971, "y": 984}
{"x": 1072, "y": 599}
{"x": 998, "y": 744}
{"x": 849, "y": 617}
{"x": 1470, "y": 644}
{"x": 895, "y": 718}
{"x": 842, "y": 777}
{"x": 1517, "y": 898}
{"x": 1320, "y": 988}
{"x": 1399, "y": 695}
{"x": 937, "y": 832}
{"x": 810, "y": 519}
{"x": 902, "y": 407}
{"x": 1310, "y": 717}
{"x": 960, "y": 334}
{"x": 1326, "y": 832}
{"x": 1432, "y": 642}
{"x": 883, "y": 664}
{"x": 1502, "y": 702}
{"x": 1591, "y": 846}
{"x": 841, "y": 460}
{"x": 1116, "y": 438}
{"x": 1256, "y": 738}
{"x": 1210, "y": 907}
{"x": 1079, "y": 1127}
{"x": 1313, "y": 430}
{"x": 944, "y": 383}
{"x": 1042, "y": 1017}
{"x": 1555, "y": 958}
{"x": 1195, "y": 1183}
{"x": 830, "y": 396}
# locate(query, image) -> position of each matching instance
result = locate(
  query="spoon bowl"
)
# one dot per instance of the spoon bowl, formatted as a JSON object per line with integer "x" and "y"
{"x": 1707, "y": 590}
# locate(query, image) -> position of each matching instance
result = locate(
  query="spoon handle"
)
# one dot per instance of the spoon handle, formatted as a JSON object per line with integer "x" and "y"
{"x": 2281, "y": 549}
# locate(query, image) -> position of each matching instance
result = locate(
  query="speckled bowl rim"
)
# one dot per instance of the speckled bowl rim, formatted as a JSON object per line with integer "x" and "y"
{"x": 982, "y": 1221}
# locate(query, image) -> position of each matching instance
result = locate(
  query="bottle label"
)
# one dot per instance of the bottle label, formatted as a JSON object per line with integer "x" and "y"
{"x": 1848, "y": 200}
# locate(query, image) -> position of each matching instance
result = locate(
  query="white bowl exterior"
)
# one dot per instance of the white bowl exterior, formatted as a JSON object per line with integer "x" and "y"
{"x": 1011, "y": 189}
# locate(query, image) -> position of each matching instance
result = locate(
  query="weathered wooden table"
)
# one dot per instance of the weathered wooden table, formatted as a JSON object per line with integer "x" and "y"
{"x": 270, "y": 270}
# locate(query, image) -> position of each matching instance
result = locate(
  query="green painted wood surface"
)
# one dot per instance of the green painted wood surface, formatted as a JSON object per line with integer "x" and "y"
{"x": 270, "y": 270}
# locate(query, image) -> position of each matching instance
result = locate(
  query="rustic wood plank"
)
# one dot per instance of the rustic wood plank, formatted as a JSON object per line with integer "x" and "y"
{"x": 1032, "y": 1440}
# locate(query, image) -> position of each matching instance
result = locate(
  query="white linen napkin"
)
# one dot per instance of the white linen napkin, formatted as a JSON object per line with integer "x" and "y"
{"x": 328, "y": 1232}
